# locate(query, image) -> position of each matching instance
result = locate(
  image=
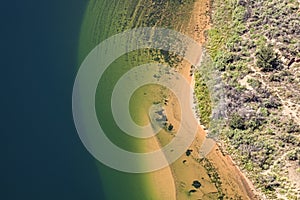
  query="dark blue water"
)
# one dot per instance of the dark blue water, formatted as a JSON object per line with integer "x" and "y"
{"x": 41, "y": 156}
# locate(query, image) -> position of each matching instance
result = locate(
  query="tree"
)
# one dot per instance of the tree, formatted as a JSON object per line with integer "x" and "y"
{"x": 267, "y": 59}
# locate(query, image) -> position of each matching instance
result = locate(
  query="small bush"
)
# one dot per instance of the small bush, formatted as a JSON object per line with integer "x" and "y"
{"x": 293, "y": 155}
{"x": 237, "y": 122}
{"x": 267, "y": 60}
{"x": 223, "y": 59}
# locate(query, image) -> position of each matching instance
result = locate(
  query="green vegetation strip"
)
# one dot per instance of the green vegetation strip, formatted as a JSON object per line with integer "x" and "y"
{"x": 203, "y": 99}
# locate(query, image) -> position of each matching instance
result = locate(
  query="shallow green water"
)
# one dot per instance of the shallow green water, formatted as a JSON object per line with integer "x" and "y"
{"x": 104, "y": 18}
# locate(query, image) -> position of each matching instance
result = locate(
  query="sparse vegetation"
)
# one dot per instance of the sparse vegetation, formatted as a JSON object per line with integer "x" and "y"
{"x": 214, "y": 176}
{"x": 257, "y": 52}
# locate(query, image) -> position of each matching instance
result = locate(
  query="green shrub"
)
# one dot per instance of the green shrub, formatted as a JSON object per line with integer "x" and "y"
{"x": 293, "y": 155}
{"x": 237, "y": 122}
{"x": 223, "y": 59}
{"x": 267, "y": 60}
{"x": 254, "y": 83}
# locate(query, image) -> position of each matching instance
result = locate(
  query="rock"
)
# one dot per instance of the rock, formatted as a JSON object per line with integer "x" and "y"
{"x": 242, "y": 3}
{"x": 291, "y": 62}
{"x": 196, "y": 184}
{"x": 188, "y": 152}
{"x": 170, "y": 127}
{"x": 271, "y": 186}
{"x": 192, "y": 191}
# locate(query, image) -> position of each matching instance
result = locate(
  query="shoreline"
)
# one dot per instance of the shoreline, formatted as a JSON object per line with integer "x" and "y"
{"x": 174, "y": 181}
{"x": 239, "y": 183}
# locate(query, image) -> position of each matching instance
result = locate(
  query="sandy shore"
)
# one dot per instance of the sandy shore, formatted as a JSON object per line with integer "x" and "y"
{"x": 187, "y": 168}
{"x": 175, "y": 181}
